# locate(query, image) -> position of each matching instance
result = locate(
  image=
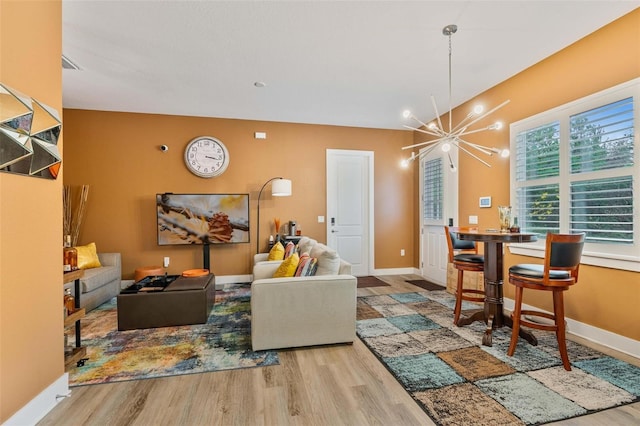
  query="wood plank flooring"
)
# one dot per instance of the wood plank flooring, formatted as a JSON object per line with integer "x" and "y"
{"x": 329, "y": 385}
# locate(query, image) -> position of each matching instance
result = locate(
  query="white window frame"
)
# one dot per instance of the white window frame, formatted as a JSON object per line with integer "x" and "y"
{"x": 626, "y": 257}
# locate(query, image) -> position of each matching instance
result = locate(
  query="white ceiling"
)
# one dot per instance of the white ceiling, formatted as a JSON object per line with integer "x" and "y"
{"x": 348, "y": 63}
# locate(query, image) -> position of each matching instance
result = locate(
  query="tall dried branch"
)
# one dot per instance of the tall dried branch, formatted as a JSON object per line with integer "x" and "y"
{"x": 74, "y": 214}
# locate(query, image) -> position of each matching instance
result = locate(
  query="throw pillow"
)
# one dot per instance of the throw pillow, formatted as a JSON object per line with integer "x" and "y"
{"x": 289, "y": 249}
{"x": 88, "y": 257}
{"x": 307, "y": 266}
{"x": 288, "y": 267}
{"x": 328, "y": 260}
{"x": 276, "y": 252}
{"x": 306, "y": 244}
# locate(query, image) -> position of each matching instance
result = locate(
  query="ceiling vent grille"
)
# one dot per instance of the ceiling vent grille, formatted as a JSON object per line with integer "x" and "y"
{"x": 68, "y": 64}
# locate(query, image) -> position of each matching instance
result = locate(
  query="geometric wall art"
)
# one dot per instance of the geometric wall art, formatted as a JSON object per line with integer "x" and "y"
{"x": 29, "y": 132}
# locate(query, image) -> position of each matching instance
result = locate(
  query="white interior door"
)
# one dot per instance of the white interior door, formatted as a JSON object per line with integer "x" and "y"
{"x": 350, "y": 207}
{"x": 439, "y": 202}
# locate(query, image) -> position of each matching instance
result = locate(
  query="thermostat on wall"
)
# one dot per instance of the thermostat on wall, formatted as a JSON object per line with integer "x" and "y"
{"x": 485, "y": 201}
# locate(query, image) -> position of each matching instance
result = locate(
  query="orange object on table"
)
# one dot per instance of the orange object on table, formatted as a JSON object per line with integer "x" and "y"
{"x": 146, "y": 271}
{"x": 195, "y": 272}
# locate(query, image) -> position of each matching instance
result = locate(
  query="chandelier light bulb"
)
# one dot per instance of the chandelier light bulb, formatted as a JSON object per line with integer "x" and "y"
{"x": 496, "y": 126}
{"x": 504, "y": 153}
{"x": 404, "y": 163}
{"x": 406, "y": 113}
{"x": 432, "y": 125}
{"x": 446, "y": 147}
{"x": 478, "y": 109}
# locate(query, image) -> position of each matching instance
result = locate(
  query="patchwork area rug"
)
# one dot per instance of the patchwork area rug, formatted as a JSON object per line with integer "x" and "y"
{"x": 457, "y": 381}
{"x": 370, "y": 281}
{"x": 223, "y": 343}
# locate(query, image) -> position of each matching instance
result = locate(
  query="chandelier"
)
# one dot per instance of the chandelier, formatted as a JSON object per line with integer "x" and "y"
{"x": 454, "y": 136}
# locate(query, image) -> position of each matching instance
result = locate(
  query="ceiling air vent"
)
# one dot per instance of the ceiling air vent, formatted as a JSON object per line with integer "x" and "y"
{"x": 68, "y": 64}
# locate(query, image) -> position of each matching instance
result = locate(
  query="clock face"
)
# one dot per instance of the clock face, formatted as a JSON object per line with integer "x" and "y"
{"x": 206, "y": 157}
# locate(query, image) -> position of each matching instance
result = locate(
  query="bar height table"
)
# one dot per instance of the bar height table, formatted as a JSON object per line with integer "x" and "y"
{"x": 493, "y": 314}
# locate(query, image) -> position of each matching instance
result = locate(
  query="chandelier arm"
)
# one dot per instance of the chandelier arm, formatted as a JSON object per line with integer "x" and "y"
{"x": 422, "y": 130}
{"x": 419, "y": 121}
{"x": 472, "y": 154}
{"x": 480, "y": 148}
{"x": 427, "y": 151}
{"x": 423, "y": 144}
{"x": 464, "y": 133}
{"x": 463, "y": 122}
{"x": 480, "y": 117}
{"x": 435, "y": 109}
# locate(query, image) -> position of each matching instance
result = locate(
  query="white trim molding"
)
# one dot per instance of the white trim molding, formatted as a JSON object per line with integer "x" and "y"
{"x": 45, "y": 401}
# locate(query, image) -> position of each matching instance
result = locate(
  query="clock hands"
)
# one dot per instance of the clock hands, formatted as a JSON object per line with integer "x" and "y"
{"x": 213, "y": 158}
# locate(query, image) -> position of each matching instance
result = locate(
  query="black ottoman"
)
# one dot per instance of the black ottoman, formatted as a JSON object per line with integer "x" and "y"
{"x": 183, "y": 301}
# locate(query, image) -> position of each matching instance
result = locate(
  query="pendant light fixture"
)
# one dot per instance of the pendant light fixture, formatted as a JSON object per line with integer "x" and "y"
{"x": 453, "y": 136}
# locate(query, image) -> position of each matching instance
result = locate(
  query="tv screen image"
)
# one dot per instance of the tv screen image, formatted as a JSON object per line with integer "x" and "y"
{"x": 202, "y": 218}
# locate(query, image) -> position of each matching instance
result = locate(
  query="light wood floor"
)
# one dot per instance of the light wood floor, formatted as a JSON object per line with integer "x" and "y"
{"x": 331, "y": 385}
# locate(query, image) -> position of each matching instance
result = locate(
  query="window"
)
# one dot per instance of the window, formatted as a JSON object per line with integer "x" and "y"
{"x": 576, "y": 170}
{"x": 432, "y": 197}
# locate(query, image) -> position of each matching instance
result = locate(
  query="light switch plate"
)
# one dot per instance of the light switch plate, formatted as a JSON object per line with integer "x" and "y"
{"x": 473, "y": 220}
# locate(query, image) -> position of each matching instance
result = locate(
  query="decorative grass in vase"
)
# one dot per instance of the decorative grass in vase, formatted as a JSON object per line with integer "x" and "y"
{"x": 73, "y": 214}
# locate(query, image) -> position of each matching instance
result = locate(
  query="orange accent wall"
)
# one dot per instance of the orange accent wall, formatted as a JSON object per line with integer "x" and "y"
{"x": 604, "y": 298}
{"x": 119, "y": 156}
{"x": 31, "y": 319}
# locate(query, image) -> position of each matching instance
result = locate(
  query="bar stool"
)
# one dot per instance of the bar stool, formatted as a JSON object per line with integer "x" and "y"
{"x": 467, "y": 260}
{"x": 557, "y": 274}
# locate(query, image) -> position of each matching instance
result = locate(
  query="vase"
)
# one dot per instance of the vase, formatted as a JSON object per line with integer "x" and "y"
{"x": 504, "y": 214}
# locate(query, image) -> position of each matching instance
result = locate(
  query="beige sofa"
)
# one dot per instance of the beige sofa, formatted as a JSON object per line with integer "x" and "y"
{"x": 99, "y": 284}
{"x": 301, "y": 311}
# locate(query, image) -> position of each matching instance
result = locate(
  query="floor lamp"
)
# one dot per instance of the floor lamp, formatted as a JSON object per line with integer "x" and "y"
{"x": 280, "y": 188}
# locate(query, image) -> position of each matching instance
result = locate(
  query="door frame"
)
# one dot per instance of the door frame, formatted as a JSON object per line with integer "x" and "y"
{"x": 369, "y": 157}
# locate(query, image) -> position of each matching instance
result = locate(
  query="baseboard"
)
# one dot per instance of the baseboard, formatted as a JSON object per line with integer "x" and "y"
{"x": 594, "y": 334}
{"x": 230, "y": 279}
{"x": 38, "y": 407}
{"x": 396, "y": 271}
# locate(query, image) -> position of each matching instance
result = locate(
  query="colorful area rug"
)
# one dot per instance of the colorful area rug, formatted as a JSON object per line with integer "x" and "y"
{"x": 457, "y": 381}
{"x": 370, "y": 281}
{"x": 223, "y": 343}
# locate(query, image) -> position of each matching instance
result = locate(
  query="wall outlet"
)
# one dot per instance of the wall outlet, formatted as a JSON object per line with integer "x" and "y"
{"x": 473, "y": 220}
{"x": 166, "y": 261}
{"x": 401, "y": 252}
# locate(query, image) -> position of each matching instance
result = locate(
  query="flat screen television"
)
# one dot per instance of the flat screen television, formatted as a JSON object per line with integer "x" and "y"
{"x": 202, "y": 218}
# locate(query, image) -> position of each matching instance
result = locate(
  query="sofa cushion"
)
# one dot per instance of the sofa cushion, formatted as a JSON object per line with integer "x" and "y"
{"x": 306, "y": 244}
{"x": 276, "y": 252}
{"x": 288, "y": 267}
{"x": 97, "y": 277}
{"x": 88, "y": 257}
{"x": 328, "y": 260}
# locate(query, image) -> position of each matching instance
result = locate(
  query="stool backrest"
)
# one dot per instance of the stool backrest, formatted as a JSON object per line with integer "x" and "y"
{"x": 455, "y": 243}
{"x": 563, "y": 252}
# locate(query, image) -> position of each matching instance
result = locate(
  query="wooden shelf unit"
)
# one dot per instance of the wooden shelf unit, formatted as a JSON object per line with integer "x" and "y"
{"x": 78, "y": 353}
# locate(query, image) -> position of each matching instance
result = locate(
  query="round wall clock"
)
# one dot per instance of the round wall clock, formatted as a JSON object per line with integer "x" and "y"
{"x": 206, "y": 157}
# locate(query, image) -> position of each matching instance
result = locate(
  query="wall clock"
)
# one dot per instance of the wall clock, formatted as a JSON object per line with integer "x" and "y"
{"x": 206, "y": 157}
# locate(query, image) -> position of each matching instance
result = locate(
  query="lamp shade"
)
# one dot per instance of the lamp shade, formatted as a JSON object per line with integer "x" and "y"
{"x": 281, "y": 188}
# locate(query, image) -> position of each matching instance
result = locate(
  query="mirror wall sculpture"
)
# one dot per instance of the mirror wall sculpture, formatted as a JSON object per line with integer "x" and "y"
{"x": 29, "y": 132}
